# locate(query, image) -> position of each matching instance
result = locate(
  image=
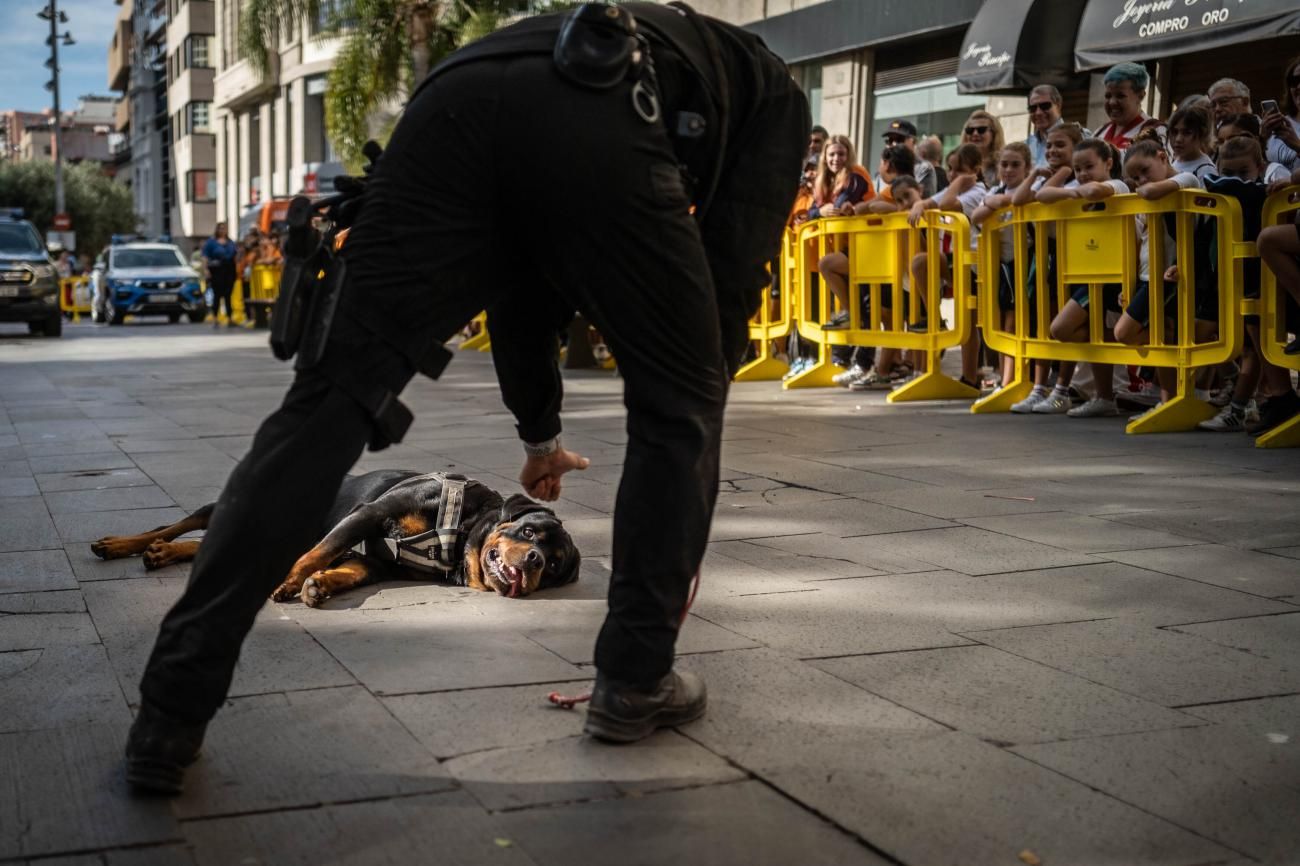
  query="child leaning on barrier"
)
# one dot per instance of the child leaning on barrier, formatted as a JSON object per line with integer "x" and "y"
{"x": 904, "y": 191}
{"x": 1013, "y": 169}
{"x": 965, "y": 192}
{"x": 1149, "y": 172}
{"x": 1279, "y": 250}
{"x": 1061, "y": 142}
{"x": 1095, "y": 164}
{"x": 1240, "y": 175}
{"x": 842, "y": 186}
{"x": 1189, "y": 140}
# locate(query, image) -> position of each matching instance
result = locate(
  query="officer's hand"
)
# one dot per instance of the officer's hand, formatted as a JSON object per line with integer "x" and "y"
{"x": 540, "y": 476}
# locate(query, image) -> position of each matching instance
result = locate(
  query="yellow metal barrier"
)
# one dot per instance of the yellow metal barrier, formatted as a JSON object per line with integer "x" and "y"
{"x": 481, "y": 340}
{"x": 1096, "y": 245}
{"x": 880, "y": 250}
{"x": 74, "y": 296}
{"x": 766, "y": 327}
{"x": 1279, "y": 208}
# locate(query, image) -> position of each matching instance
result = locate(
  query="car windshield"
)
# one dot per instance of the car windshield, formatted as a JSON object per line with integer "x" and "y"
{"x": 161, "y": 258}
{"x": 19, "y": 238}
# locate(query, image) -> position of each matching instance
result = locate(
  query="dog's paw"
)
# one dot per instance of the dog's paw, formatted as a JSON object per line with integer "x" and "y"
{"x": 156, "y": 555}
{"x": 114, "y": 547}
{"x": 313, "y": 592}
{"x": 287, "y": 591}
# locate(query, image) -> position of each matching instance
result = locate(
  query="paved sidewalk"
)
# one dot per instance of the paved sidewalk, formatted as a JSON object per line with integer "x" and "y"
{"x": 929, "y": 638}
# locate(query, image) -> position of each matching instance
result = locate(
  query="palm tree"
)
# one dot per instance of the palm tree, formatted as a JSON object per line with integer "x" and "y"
{"x": 388, "y": 47}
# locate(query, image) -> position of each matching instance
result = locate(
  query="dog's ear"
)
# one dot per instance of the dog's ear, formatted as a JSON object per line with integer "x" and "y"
{"x": 518, "y": 505}
{"x": 572, "y": 563}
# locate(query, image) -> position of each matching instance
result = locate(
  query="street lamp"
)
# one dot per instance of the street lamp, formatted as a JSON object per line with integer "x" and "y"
{"x": 52, "y": 14}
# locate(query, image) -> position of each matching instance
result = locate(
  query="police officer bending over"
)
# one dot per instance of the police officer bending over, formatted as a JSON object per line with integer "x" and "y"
{"x": 682, "y": 136}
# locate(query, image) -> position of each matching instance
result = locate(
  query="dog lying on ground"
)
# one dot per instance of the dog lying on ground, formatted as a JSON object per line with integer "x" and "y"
{"x": 395, "y": 524}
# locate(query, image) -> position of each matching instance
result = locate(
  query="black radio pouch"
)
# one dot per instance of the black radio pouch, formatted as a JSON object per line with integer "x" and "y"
{"x": 298, "y": 278}
{"x": 596, "y": 46}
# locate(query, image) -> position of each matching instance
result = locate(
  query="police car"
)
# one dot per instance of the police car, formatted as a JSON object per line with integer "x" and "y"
{"x": 29, "y": 285}
{"x": 134, "y": 278}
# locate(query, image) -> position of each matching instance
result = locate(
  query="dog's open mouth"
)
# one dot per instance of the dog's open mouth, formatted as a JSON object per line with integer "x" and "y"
{"x": 506, "y": 579}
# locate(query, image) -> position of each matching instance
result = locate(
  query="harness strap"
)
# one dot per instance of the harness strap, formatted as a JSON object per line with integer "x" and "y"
{"x": 436, "y": 549}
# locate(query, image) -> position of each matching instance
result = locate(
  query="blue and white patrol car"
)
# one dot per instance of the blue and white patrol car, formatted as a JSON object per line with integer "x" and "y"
{"x": 146, "y": 279}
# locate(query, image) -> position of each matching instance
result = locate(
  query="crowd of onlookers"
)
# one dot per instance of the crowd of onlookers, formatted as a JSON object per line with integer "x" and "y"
{"x": 1222, "y": 142}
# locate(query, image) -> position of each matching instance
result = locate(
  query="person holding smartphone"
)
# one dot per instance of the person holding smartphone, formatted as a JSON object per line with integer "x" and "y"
{"x": 1282, "y": 123}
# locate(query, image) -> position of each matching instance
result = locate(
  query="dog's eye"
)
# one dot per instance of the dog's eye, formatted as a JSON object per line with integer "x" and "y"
{"x": 528, "y": 533}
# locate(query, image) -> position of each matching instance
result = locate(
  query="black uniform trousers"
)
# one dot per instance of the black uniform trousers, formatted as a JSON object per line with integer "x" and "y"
{"x": 505, "y": 188}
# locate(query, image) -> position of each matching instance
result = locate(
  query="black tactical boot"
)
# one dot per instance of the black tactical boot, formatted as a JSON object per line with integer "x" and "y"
{"x": 158, "y": 750}
{"x": 625, "y": 713}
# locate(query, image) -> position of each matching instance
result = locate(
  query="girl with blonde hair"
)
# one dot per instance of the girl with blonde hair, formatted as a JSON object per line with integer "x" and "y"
{"x": 985, "y": 132}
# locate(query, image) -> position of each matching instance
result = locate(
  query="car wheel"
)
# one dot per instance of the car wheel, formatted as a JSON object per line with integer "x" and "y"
{"x": 173, "y": 317}
{"x": 36, "y": 328}
{"x": 199, "y": 315}
{"x": 54, "y": 325}
{"x": 116, "y": 316}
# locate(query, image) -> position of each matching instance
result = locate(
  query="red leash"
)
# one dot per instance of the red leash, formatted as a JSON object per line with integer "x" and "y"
{"x": 568, "y": 703}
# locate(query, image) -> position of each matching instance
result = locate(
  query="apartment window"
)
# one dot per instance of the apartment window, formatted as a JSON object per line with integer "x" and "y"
{"x": 197, "y": 118}
{"x": 198, "y": 50}
{"x": 201, "y": 186}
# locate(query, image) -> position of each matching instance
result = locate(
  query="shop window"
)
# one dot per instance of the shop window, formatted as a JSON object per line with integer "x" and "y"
{"x": 934, "y": 106}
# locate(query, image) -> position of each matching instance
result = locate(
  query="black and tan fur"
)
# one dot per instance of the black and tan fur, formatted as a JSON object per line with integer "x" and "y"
{"x": 513, "y": 546}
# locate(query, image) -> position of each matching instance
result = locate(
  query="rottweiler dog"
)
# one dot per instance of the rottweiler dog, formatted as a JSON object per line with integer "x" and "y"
{"x": 385, "y": 525}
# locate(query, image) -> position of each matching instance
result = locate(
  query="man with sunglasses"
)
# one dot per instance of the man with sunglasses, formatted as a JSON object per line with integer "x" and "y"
{"x": 1045, "y": 115}
{"x": 904, "y": 132}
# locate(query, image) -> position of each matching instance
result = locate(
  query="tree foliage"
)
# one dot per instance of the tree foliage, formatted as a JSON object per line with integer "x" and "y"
{"x": 99, "y": 206}
{"x": 388, "y": 47}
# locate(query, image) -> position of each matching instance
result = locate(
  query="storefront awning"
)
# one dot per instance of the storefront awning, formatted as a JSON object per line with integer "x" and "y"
{"x": 1013, "y": 45}
{"x": 1113, "y": 31}
{"x": 823, "y": 29}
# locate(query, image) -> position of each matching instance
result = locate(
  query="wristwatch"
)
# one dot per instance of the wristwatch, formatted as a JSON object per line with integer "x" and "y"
{"x": 542, "y": 449}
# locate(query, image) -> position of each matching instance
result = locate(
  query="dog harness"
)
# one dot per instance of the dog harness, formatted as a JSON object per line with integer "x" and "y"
{"x": 439, "y": 548}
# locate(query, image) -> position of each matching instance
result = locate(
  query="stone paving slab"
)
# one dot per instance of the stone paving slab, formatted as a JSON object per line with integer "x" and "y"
{"x": 159, "y": 855}
{"x": 18, "y": 487}
{"x": 105, "y": 460}
{"x": 1275, "y": 718}
{"x": 1253, "y": 527}
{"x": 738, "y": 823}
{"x": 63, "y": 790}
{"x": 818, "y": 556}
{"x": 430, "y": 649}
{"x": 278, "y": 655}
{"x": 840, "y": 517}
{"x": 35, "y": 571}
{"x": 89, "y": 568}
{"x": 1078, "y": 532}
{"x": 303, "y": 749}
{"x": 579, "y": 768}
{"x": 92, "y": 479}
{"x": 445, "y": 828}
{"x": 1223, "y": 782}
{"x": 1160, "y": 665}
{"x": 1276, "y": 638}
{"x": 110, "y": 499}
{"x": 975, "y": 551}
{"x": 21, "y": 631}
{"x": 1001, "y": 697}
{"x": 92, "y": 526}
{"x": 59, "y": 686}
{"x": 1267, "y": 574}
{"x": 25, "y": 524}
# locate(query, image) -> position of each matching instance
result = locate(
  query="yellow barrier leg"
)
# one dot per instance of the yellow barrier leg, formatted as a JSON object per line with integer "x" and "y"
{"x": 819, "y": 375}
{"x": 932, "y": 385}
{"x": 1285, "y": 435}
{"x": 764, "y": 369}
{"x": 482, "y": 341}
{"x": 1183, "y": 412}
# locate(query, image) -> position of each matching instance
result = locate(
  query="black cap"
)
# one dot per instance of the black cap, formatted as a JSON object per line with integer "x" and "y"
{"x": 901, "y": 127}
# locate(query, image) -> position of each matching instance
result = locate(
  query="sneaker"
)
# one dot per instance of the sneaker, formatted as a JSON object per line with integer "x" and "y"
{"x": 1274, "y": 411}
{"x": 1292, "y": 348}
{"x": 1227, "y": 421}
{"x": 1139, "y": 416}
{"x": 1026, "y": 406}
{"x": 799, "y": 365}
{"x": 1097, "y": 407}
{"x": 623, "y": 713}
{"x": 158, "y": 749}
{"x": 1054, "y": 403}
{"x": 1222, "y": 396}
{"x": 849, "y": 376}
{"x": 873, "y": 381}
{"x": 837, "y": 322}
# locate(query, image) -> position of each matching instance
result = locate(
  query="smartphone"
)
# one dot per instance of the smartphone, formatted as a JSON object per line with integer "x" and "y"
{"x": 1269, "y": 106}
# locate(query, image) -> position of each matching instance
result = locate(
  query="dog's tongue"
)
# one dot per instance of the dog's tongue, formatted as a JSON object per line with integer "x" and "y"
{"x": 516, "y": 581}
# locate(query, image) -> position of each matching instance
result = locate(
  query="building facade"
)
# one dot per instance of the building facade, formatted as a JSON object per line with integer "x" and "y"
{"x": 189, "y": 72}
{"x": 270, "y": 131}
